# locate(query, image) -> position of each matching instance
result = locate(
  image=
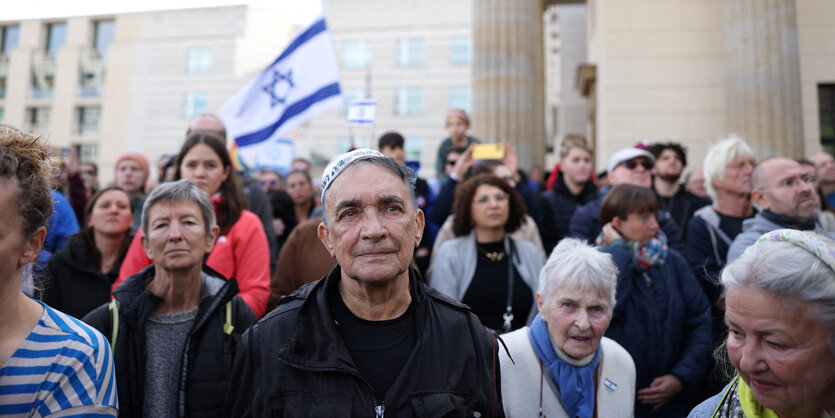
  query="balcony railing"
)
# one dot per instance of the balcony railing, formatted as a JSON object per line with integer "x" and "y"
{"x": 40, "y": 93}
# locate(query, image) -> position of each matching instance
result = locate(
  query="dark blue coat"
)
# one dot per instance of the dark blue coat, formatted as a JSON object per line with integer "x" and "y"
{"x": 664, "y": 326}
{"x": 585, "y": 224}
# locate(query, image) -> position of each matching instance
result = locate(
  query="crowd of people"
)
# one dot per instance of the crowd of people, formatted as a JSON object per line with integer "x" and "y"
{"x": 485, "y": 290}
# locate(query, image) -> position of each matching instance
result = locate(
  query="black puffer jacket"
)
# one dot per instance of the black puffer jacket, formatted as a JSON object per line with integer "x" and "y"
{"x": 207, "y": 355}
{"x": 293, "y": 363}
{"x": 558, "y": 206}
{"x": 73, "y": 283}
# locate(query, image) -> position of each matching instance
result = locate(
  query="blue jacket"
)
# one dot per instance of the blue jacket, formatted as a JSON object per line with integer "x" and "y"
{"x": 62, "y": 224}
{"x": 585, "y": 224}
{"x": 665, "y": 327}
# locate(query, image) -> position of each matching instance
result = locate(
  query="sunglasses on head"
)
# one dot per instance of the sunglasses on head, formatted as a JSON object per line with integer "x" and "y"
{"x": 632, "y": 164}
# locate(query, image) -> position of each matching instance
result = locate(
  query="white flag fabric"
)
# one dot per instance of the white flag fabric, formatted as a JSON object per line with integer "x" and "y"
{"x": 301, "y": 83}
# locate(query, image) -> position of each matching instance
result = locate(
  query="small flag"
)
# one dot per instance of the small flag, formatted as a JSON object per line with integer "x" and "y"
{"x": 301, "y": 83}
{"x": 362, "y": 112}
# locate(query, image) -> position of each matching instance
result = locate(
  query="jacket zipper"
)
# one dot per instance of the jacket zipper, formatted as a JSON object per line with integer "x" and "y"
{"x": 379, "y": 408}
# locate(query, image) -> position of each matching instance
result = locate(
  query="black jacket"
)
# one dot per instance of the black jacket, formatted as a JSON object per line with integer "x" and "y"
{"x": 558, "y": 206}
{"x": 681, "y": 206}
{"x": 72, "y": 282}
{"x": 293, "y": 362}
{"x": 207, "y": 355}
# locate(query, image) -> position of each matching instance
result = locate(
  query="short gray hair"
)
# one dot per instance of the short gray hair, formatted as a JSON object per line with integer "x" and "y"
{"x": 577, "y": 265}
{"x": 180, "y": 191}
{"x": 403, "y": 172}
{"x": 787, "y": 270}
{"x": 717, "y": 159}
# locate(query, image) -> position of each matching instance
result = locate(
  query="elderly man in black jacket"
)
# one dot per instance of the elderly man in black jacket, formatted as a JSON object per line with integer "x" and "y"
{"x": 370, "y": 339}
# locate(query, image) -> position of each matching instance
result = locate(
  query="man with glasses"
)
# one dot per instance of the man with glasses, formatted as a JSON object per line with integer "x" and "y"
{"x": 626, "y": 166}
{"x": 788, "y": 199}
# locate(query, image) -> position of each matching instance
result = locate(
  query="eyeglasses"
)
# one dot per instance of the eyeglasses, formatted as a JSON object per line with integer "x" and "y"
{"x": 632, "y": 164}
{"x": 498, "y": 197}
{"x": 271, "y": 182}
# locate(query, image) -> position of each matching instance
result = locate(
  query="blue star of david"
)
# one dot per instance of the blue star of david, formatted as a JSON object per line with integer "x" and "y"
{"x": 279, "y": 88}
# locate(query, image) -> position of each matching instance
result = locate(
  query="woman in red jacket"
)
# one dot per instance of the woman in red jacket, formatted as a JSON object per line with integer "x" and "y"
{"x": 241, "y": 250}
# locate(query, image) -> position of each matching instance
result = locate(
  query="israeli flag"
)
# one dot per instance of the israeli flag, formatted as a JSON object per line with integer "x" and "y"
{"x": 300, "y": 84}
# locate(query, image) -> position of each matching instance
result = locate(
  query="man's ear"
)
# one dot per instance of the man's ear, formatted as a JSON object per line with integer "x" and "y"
{"x": 420, "y": 221}
{"x": 324, "y": 236}
{"x": 758, "y": 197}
{"x": 32, "y": 247}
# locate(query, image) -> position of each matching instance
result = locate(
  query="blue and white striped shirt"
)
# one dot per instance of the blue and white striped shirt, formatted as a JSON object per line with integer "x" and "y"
{"x": 63, "y": 365}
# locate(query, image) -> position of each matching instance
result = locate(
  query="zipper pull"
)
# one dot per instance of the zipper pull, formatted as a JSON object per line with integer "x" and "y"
{"x": 380, "y": 410}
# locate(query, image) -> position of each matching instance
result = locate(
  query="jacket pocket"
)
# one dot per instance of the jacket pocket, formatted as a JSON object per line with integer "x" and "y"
{"x": 445, "y": 404}
{"x": 296, "y": 404}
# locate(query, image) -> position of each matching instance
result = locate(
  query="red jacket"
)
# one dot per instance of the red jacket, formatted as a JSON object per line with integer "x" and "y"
{"x": 243, "y": 253}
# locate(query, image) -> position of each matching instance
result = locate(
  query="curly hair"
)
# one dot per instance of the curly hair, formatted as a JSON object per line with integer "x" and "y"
{"x": 462, "y": 222}
{"x": 25, "y": 158}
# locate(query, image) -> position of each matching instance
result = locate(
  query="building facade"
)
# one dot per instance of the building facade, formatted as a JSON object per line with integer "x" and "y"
{"x": 107, "y": 84}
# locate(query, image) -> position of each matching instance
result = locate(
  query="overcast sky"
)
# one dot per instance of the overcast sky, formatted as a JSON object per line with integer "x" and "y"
{"x": 301, "y": 11}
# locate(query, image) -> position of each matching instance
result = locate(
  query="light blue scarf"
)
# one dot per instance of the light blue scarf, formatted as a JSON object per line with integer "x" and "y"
{"x": 575, "y": 384}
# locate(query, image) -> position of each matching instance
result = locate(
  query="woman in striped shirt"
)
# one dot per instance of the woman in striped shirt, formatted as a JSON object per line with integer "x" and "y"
{"x": 49, "y": 361}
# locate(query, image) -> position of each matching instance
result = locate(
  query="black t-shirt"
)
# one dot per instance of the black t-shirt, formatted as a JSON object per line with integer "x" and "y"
{"x": 487, "y": 294}
{"x": 379, "y": 348}
{"x": 730, "y": 225}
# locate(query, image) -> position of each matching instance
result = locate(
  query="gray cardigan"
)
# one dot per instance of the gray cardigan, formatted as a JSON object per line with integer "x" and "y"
{"x": 456, "y": 263}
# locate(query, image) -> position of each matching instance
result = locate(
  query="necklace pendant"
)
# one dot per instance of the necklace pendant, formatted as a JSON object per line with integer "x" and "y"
{"x": 495, "y": 256}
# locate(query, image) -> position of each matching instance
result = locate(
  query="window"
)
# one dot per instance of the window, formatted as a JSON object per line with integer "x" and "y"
{"x": 356, "y": 54}
{"x": 459, "y": 97}
{"x": 198, "y": 60}
{"x": 2, "y": 87}
{"x": 826, "y": 108}
{"x": 460, "y": 51}
{"x": 9, "y": 37}
{"x": 43, "y": 83}
{"x": 408, "y": 101}
{"x": 87, "y": 152}
{"x": 103, "y": 33}
{"x": 37, "y": 120}
{"x": 56, "y": 35}
{"x": 413, "y": 148}
{"x": 87, "y": 120}
{"x": 2, "y": 113}
{"x": 410, "y": 52}
{"x": 195, "y": 103}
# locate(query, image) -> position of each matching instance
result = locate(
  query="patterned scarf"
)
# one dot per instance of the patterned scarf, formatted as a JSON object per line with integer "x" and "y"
{"x": 575, "y": 383}
{"x": 739, "y": 402}
{"x": 654, "y": 253}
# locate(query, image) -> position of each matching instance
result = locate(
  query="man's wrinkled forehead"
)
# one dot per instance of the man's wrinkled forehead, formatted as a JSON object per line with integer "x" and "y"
{"x": 350, "y": 175}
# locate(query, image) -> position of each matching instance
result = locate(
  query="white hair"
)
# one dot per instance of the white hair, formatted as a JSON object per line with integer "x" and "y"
{"x": 576, "y": 265}
{"x": 718, "y": 157}
{"x": 787, "y": 270}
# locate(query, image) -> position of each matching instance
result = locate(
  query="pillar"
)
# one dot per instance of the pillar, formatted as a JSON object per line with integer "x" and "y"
{"x": 762, "y": 75}
{"x": 508, "y": 76}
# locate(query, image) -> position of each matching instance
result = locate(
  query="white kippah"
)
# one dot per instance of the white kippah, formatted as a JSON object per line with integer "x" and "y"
{"x": 339, "y": 164}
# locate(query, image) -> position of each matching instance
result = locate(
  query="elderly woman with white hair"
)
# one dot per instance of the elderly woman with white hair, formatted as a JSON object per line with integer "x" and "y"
{"x": 780, "y": 311}
{"x": 579, "y": 372}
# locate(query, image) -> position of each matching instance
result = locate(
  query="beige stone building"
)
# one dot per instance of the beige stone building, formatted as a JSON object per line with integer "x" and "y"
{"x": 413, "y": 57}
{"x": 681, "y": 70}
{"x": 106, "y": 84}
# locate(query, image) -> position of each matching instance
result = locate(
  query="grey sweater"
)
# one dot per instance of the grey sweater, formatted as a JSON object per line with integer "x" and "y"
{"x": 456, "y": 264}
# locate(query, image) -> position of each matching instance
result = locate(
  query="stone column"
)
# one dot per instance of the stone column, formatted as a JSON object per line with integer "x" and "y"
{"x": 508, "y": 76}
{"x": 762, "y": 75}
